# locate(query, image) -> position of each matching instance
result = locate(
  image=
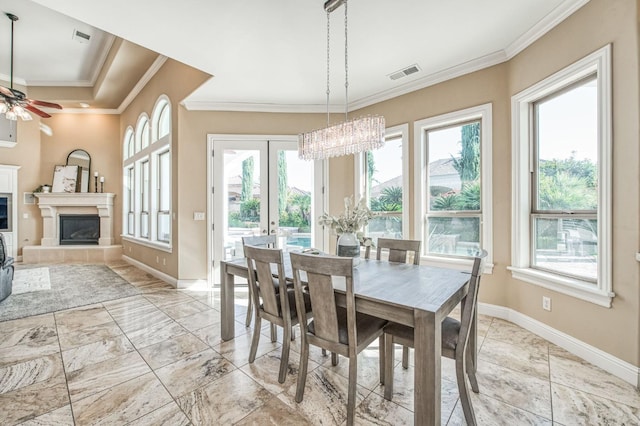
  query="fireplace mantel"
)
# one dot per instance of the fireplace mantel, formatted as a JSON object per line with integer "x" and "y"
{"x": 53, "y": 204}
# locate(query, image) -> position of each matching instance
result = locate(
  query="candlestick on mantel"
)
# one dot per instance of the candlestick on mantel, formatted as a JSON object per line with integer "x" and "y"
{"x": 95, "y": 185}
{"x": 101, "y": 184}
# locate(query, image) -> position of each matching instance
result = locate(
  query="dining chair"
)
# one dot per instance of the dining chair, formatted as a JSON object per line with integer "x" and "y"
{"x": 455, "y": 342}
{"x": 256, "y": 241}
{"x": 399, "y": 251}
{"x": 339, "y": 330}
{"x": 272, "y": 299}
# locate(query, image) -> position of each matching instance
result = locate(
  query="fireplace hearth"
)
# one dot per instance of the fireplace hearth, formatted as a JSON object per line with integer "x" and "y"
{"x": 79, "y": 229}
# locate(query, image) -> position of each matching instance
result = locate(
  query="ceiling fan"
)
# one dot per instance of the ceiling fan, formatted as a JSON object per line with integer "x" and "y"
{"x": 15, "y": 103}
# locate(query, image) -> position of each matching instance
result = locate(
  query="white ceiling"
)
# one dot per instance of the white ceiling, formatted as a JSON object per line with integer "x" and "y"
{"x": 271, "y": 54}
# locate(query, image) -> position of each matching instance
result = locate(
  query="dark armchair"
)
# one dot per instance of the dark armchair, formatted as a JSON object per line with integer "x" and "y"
{"x": 6, "y": 270}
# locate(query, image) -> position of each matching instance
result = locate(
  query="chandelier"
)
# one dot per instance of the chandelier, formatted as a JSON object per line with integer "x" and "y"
{"x": 352, "y": 135}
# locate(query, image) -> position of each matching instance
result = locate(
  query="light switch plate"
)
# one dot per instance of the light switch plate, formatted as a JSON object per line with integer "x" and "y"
{"x": 198, "y": 216}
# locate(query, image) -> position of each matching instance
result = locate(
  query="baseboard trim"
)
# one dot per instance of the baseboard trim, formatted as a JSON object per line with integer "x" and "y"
{"x": 158, "y": 274}
{"x": 619, "y": 368}
{"x": 193, "y": 284}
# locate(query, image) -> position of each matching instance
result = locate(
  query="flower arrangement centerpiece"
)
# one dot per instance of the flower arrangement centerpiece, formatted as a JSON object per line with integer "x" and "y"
{"x": 349, "y": 225}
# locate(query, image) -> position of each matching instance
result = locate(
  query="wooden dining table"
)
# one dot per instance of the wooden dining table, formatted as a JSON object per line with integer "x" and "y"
{"x": 415, "y": 295}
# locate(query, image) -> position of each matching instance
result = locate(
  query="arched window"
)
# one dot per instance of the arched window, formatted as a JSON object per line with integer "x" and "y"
{"x": 147, "y": 178}
{"x": 128, "y": 143}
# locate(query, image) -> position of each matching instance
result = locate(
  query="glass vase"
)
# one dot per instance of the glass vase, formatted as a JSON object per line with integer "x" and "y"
{"x": 349, "y": 246}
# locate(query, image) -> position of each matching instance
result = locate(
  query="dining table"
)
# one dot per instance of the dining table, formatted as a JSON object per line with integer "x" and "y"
{"x": 419, "y": 296}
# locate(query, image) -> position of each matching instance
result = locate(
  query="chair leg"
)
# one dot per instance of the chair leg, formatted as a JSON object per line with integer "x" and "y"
{"x": 471, "y": 372}
{"x": 293, "y": 333}
{"x": 463, "y": 390}
{"x": 302, "y": 370}
{"x": 255, "y": 339}
{"x": 274, "y": 333}
{"x": 388, "y": 366}
{"x": 351, "y": 398}
{"x": 334, "y": 359}
{"x": 247, "y": 321}
{"x": 284, "y": 357}
{"x": 381, "y": 357}
{"x": 405, "y": 357}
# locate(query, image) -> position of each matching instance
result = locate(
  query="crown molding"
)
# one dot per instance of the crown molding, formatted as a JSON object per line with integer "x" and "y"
{"x": 542, "y": 27}
{"x": 260, "y": 107}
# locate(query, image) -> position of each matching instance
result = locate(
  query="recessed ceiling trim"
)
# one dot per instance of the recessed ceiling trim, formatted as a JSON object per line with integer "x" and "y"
{"x": 153, "y": 69}
{"x": 99, "y": 64}
{"x": 546, "y": 24}
{"x": 87, "y": 111}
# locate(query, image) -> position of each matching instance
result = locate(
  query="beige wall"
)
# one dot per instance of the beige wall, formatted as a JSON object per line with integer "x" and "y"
{"x": 37, "y": 154}
{"x": 176, "y": 81}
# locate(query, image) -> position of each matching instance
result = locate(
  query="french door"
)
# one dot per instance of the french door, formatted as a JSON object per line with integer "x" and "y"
{"x": 261, "y": 187}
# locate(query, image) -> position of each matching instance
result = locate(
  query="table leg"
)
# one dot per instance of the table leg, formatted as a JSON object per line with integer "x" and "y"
{"x": 227, "y": 307}
{"x": 427, "y": 335}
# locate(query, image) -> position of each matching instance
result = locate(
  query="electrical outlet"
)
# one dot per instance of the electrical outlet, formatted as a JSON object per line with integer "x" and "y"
{"x": 546, "y": 303}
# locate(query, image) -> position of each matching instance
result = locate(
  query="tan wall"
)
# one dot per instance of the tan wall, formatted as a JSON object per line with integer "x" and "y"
{"x": 192, "y": 169}
{"x": 600, "y": 22}
{"x": 37, "y": 154}
{"x": 176, "y": 81}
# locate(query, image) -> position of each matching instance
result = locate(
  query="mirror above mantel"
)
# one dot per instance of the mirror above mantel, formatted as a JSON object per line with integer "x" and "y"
{"x": 82, "y": 159}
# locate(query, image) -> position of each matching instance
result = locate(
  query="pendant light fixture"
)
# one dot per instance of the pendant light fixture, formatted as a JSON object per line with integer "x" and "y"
{"x": 352, "y": 135}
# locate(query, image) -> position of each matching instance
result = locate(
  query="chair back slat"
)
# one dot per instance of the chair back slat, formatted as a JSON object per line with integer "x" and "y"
{"x": 324, "y": 306}
{"x": 319, "y": 272}
{"x": 261, "y": 279}
{"x": 265, "y": 241}
{"x": 471, "y": 299}
{"x": 399, "y": 250}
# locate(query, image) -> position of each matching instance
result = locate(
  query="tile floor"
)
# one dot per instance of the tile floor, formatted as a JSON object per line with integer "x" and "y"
{"x": 157, "y": 359}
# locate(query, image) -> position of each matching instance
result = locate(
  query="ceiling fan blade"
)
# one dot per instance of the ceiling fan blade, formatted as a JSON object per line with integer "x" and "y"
{"x": 6, "y": 92}
{"x": 36, "y": 111}
{"x": 43, "y": 103}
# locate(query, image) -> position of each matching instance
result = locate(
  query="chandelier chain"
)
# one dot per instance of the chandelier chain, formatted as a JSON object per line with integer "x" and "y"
{"x": 328, "y": 57}
{"x": 346, "y": 64}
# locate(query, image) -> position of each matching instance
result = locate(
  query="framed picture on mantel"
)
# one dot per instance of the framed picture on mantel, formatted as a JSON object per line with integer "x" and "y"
{"x": 65, "y": 178}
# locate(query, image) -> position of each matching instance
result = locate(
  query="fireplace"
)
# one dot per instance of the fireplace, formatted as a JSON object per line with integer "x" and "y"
{"x": 81, "y": 229}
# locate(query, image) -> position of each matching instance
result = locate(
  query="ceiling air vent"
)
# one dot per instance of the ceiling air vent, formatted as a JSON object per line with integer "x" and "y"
{"x": 81, "y": 37}
{"x": 404, "y": 72}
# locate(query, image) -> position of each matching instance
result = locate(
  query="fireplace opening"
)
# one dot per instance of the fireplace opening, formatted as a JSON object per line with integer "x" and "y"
{"x": 79, "y": 229}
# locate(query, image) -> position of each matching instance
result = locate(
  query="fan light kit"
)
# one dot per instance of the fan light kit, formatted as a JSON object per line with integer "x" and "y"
{"x": 15, "y": 103}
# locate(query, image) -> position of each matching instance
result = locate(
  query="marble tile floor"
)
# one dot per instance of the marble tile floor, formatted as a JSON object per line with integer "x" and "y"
{"x": 157, "y": 359}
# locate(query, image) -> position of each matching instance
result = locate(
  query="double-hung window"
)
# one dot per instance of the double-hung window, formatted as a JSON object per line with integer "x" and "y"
{"x": 382, "y": 178}
{"x": 561, "y": 157}
{"x": 453, "y": 184}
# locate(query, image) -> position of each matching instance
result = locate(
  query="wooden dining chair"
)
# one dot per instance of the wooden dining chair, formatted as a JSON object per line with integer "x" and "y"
{"x": 274, "y": 302}
{"x": 399, "y": 251}
{"x": 339, "y": 330}
{"x": 455, "y": 343}
{"x": 269, "y": 241}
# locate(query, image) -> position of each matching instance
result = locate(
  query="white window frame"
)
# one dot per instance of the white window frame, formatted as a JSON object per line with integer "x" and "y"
{"x": 522, "y": 144}
{"x": 484, "y": 113}
{"x": 401, "y": 131}
{"x": 158, "y": 197}
{"x": 148, "y": 154}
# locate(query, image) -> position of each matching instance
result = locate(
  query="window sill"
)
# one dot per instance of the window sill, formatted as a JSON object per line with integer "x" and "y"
{"x": 569, "y": 286}
{"x": 454, "y": 263}
{"x": 151, "y": 244}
